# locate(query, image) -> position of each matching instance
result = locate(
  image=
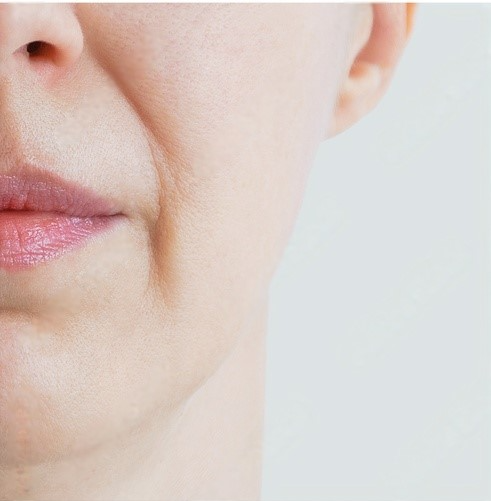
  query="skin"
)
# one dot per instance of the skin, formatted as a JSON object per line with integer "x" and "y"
{"x": 133, "y": 368}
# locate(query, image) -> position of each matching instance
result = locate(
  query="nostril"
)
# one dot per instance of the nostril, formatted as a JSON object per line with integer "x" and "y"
{"x": 34, "y": 48}
{"x": 42, "y": 56}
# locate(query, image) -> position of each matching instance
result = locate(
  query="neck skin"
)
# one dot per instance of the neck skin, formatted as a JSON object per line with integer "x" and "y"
{"x": 211, "y": 450}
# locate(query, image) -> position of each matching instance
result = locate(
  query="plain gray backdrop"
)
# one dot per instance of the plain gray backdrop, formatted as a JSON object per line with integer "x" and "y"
{"x": 378, "y": 375}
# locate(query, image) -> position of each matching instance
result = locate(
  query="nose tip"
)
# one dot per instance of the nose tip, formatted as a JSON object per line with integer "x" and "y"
{"x": 47, "y": 32}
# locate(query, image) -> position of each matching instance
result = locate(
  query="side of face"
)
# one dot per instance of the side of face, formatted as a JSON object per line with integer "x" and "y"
{"x": 202, "y": 121}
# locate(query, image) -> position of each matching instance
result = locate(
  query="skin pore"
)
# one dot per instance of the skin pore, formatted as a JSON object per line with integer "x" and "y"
{"x": 133, "y": 368}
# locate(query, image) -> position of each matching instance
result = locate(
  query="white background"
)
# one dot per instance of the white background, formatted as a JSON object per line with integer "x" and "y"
{"x": 378, "y": 376}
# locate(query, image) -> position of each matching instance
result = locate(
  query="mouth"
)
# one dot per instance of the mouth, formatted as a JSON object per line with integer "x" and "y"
{"x": 42, "y": 217}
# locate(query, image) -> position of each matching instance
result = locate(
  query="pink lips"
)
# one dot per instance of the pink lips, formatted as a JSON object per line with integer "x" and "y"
{"x": 42, "y": 217}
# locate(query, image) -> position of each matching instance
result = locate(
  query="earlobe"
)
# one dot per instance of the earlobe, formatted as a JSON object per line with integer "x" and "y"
{"x": 410, "y": 9}
{"x": 373, "y": 56}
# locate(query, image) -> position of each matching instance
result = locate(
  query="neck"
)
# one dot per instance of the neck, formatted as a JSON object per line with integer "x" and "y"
{"x": 209, "y": 449}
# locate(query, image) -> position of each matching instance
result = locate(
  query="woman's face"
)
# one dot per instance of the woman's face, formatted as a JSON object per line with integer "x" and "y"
{"x": 200, "y": 122}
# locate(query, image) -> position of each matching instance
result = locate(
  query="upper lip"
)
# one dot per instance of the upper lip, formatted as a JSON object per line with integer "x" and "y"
{"x": 30, "y": 188}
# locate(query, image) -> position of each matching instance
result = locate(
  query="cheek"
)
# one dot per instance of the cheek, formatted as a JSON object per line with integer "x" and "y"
{"x": 234, "y": 116}
{"x": 234, "y": 167}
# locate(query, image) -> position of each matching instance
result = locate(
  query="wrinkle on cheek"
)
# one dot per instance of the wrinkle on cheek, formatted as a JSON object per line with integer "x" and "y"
{"x": 162, "y": 233}
{"x": 159, "y": 151}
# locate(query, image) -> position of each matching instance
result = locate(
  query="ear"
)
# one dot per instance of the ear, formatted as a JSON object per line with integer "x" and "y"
{"x": 379, "y": 38}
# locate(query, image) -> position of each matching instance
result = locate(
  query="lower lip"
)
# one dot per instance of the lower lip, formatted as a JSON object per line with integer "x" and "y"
{"x": 29, "y": 238}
